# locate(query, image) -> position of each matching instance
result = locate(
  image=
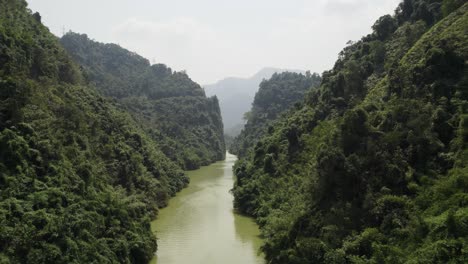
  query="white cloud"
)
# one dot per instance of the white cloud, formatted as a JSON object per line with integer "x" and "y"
{"x": 242, "y": 43}
{"x": 177, "y": 37}
{"x": 347, "y": 8}
{"x": 313, "y": 39}
{"x": 176, "y": 29}
{"x": 182, "y": 43}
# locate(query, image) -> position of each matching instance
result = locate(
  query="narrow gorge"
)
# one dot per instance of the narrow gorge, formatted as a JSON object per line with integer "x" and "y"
{"x": 106, "y": 157}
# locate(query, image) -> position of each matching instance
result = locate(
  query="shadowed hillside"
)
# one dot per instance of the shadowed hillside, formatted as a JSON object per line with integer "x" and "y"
{"x": 372, "y": 166}
{"x": 236, "y": 96}
{"x": 169, "y": 105}
{"x": 79, "y": 179}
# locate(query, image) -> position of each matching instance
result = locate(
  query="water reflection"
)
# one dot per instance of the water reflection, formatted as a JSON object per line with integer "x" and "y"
{"x": 199, "y": 225}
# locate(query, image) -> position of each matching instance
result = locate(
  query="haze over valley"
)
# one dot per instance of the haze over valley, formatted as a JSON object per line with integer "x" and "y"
{"x": 124, "y": 137}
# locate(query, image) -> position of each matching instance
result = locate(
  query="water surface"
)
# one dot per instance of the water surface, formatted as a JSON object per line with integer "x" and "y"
{"x": 200, "y": 226}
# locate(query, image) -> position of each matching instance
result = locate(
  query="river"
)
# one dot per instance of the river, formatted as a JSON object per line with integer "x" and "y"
{"x": 200, "y": 226}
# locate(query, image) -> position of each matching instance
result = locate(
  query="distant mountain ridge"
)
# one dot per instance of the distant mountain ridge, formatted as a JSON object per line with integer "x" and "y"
{"x": 236, "y": 95}
{"x": 274, "y": 97}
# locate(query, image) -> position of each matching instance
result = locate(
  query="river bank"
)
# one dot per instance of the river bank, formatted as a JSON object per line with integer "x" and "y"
{"x": 200, "y": 225}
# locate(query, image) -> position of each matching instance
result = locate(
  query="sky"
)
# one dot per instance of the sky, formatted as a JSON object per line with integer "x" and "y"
{"x": 214, "y": 39}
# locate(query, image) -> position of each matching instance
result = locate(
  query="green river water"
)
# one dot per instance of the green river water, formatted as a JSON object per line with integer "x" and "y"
{"x": 200, "y": 226}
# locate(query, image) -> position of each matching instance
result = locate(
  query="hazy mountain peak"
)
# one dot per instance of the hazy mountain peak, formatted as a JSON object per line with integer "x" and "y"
{"x": 267, "y": 72}
{"x": 236, "y": 95}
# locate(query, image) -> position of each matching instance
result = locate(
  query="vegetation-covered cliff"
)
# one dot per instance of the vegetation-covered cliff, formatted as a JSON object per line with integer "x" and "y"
{"x": 236, "y": 95}
{"x": 274, "y": 97}
{"x": 372, "y": 166}
{"x": 171, "y": 107}
{"x": 80, "y": 180}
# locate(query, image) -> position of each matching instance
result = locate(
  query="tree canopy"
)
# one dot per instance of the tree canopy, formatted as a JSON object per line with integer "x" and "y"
{"x": 372, "y": 166}
{"x": 274, "y": 97}
{"x": 80, "y": 177}
{"x": 171, "y": 107}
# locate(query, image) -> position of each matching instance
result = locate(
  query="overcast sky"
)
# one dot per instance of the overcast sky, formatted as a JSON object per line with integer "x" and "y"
{"x": 213, "y": 39}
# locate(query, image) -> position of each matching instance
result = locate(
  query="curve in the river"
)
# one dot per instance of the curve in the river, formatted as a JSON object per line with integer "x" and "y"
{"x": 200, "y": 226}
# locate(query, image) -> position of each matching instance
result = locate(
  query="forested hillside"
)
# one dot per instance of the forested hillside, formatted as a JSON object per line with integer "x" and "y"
{"x": 79, "y": 180}
{"x": 275, "y": 96}
{"x": 171, "y": 108}
{"x": 372, "y": 167}
{"x": 236, "y": 96}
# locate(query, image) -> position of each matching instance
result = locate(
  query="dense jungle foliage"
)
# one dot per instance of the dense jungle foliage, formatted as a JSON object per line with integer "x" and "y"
{"x": 372, "y": 166}
{"x": 172, "y": 108}
{"x": 274, "y": 97}
{"x": 79, "y": 180}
